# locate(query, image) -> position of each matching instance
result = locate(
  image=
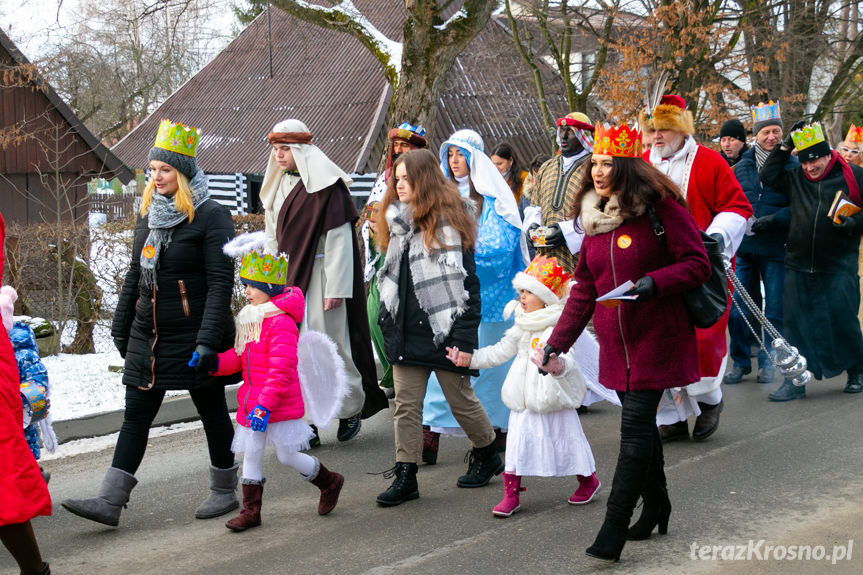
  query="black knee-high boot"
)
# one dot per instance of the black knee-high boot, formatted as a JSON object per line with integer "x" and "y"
{"x": 656, "y": 507}
{"x": 637, "y": 429}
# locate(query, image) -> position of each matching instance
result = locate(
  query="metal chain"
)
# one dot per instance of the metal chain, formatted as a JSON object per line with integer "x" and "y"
{"x": 755, "y": 310}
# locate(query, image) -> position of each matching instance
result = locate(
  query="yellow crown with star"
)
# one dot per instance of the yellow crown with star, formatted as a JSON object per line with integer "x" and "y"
{"x": 763, "y": 112}
{"x": 855, "y": 134}
{"x": 264, "y": 268}
{"x": 808, "y": 136}
{"x": 620, "y": 141}
{"x": 176, "y": 137}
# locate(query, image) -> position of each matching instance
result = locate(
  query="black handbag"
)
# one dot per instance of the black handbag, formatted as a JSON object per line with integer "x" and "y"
{"x": 706, "y": 302}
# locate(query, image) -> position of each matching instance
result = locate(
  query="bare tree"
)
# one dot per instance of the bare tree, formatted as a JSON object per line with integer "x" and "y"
{"x": 123, "y": 57}
{"x": 416, "y": 67}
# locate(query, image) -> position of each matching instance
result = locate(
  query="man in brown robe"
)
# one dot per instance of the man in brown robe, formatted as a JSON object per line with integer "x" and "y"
{"x": 309, "y": 216}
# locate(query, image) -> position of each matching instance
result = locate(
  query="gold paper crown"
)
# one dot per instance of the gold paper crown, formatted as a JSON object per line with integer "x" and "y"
{"x": 264, "y": 268}
{"x": 621, "y": 141}
{"x": 808, "y": 136}
{"x": 855, "y": 134}
{"x": 178, "y": 138}
{"x": 768, "y": 111}
{"x": 549, "y": 273}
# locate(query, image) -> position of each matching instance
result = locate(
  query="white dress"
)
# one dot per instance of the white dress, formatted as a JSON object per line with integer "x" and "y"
{"x": 545, "y": 436}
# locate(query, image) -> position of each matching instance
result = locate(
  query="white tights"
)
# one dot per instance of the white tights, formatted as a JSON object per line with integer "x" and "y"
{"x": 254, "y": 458}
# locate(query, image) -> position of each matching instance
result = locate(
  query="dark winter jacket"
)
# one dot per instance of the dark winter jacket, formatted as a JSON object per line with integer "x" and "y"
{"x": 766, "y": 201}
{"x": 191, "y": 306}
{"x": 408, "y": 339}
{"x": 642, "y": 345}
{"x": 814, "y": 245}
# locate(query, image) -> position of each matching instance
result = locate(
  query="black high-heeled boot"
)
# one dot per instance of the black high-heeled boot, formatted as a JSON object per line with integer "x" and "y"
{"x": 609, "y": 542}
{"x": 655, "y": 512}
{"x": 657, "y": 507}
{"x": 637, "y": 449}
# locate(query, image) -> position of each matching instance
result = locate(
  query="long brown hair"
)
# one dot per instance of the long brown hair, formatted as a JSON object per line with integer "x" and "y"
{"x": 435, "y": 202}
{"x": 636, "y": 182}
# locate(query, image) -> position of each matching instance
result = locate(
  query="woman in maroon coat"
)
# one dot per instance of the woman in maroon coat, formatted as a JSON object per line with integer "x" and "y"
{"x": 646, "y": 345}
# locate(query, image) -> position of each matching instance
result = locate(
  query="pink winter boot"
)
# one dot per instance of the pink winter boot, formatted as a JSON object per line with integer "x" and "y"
{"x": 511, "y": 488}
{"x": 588, "y": 487}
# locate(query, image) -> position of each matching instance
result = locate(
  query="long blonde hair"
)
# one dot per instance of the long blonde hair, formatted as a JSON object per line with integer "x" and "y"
{"x": 182, "y": 198}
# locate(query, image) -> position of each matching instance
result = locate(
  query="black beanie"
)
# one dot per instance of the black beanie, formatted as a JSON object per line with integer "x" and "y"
{"x": 271, "y": 290}
{"x": 756, "y": 127}
{"x": 186, "y": 165}
{"x": 733, "y": 128}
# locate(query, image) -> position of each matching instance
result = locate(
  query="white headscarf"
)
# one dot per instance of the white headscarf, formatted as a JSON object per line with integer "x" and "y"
{"x": 486, "y": 178}
{"x": 316, "y": 170}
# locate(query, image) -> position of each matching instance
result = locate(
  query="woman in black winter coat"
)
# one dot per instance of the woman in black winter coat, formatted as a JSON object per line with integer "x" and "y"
{"x": 174, "y": 305}
{"x": 429, "y": 296}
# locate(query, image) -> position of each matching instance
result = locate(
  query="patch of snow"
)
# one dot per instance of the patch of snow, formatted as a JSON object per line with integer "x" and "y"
{"x": 82, "y": 385}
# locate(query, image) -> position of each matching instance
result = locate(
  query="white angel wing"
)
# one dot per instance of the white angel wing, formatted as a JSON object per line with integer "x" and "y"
{"x": 323, "y": 380}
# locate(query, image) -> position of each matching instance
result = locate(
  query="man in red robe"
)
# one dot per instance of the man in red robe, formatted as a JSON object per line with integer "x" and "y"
{"x": 720, "y": 208}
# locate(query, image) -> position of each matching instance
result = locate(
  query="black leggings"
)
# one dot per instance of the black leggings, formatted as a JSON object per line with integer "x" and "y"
{"x": 141, "y": 409}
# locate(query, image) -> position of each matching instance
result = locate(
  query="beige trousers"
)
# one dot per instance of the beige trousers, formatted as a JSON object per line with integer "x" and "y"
{"x": 410, "y": 386}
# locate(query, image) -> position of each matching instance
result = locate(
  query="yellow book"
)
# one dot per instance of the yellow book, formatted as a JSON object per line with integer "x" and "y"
{"x": 842, "y": 206}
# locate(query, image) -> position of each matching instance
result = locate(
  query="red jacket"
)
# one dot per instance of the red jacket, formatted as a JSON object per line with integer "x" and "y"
{"x": 269, "y": 365}
{"x": 647, "y": 345}
{"x": 23, "y": 493}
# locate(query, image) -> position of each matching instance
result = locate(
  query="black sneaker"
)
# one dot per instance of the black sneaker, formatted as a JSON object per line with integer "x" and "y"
{"x": 316, "y": 440}
{"x": 348, "y": 428}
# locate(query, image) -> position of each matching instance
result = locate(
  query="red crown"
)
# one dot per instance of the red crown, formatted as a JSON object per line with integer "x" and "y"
{"x": 549, "y": 273}
{"x": 621, "y": 141}
{"x": 855, "y": 134}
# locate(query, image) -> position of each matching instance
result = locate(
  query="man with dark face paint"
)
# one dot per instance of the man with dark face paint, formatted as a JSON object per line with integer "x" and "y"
{"x": 552, "y": 198}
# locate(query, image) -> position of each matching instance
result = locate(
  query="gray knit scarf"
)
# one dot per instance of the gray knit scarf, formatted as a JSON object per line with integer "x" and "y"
{"x": 438, "y": 276}
{"x": 760, "y": 156}
{"x": 163, "y": 218}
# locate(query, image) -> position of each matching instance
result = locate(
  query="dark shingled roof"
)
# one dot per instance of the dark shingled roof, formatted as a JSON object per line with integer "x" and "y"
{"x": 333, "y": 84}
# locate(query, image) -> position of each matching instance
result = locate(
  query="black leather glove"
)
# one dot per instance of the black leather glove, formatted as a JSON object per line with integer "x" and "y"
{"x": 719, "y": 240}
{"x": 546, "y": 354}
{"x": 763, "y": 224}
{"x": 121, "y": 343}
{"x": 529, "y": 229}
{"x": 851, "y": 224}
{"x": 208, "y": 359}
{"x": 787, "y": 142}
{"x": 645, "y": 288}
{"x": 554, "y": 237}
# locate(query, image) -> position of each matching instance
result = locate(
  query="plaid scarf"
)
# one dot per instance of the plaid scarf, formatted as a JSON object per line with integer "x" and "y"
{"x": 438, "y": 276}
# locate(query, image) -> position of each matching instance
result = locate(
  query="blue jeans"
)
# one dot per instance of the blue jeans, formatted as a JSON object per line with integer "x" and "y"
{"x": 772, "y": 274}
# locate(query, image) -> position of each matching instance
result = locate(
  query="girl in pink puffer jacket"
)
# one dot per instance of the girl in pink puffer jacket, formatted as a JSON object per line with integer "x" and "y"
{"x": 270, "y": 400}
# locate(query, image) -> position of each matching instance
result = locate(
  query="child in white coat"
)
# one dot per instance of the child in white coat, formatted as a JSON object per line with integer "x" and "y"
{"x": 545, "y": 436}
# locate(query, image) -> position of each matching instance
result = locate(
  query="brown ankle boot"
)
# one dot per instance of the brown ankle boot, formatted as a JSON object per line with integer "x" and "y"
{"x": 330, "y": 483}
{"x": 250, "y": 515}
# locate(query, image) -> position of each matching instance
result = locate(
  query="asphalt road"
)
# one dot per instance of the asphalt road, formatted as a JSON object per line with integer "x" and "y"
{"x": 776, "y": 475}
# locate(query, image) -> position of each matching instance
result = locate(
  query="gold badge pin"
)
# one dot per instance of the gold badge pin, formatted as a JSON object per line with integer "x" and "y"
{"x": 149, "y": 252}
{"x": 624, "y": 242}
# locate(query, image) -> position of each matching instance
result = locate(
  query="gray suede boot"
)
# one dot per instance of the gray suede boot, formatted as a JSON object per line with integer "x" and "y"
{"x": 113, "y": 495}
{"x": 223, "y": 493}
